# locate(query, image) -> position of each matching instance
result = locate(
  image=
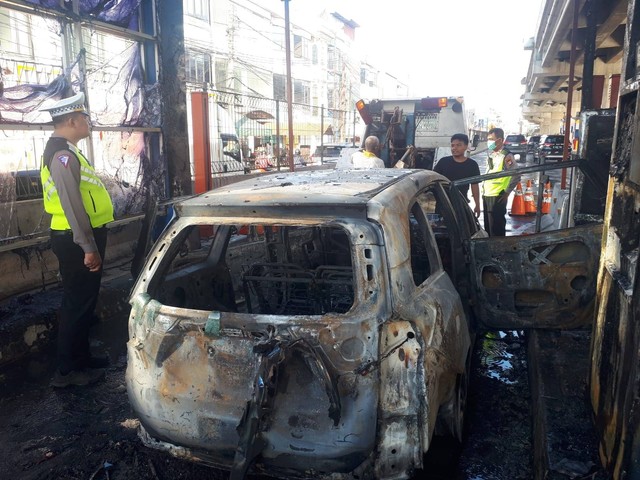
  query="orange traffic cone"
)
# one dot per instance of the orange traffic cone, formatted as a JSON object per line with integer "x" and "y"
{"x": 517, "y": 206}
{"x": 529, "y": 200}
{"x": 546, "y": 199}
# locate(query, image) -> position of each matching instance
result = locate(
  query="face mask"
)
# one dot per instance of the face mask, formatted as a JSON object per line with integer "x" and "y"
{"x": 491, "y": 145}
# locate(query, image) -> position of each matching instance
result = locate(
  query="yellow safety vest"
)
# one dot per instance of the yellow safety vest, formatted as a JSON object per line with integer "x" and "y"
{"x": 95, "y": 197}
{"x": 492, "y": 188}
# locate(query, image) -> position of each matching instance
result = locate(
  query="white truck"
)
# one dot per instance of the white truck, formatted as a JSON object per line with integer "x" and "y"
{"x": 415, "y": 130}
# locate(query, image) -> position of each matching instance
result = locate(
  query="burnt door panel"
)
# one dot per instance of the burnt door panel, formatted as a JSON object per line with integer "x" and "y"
{"x": 546, "y": 280}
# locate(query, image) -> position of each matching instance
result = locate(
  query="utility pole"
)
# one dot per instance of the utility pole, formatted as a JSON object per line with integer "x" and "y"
{"x": 230, "y": 81}
{"x": 289, "y": 89}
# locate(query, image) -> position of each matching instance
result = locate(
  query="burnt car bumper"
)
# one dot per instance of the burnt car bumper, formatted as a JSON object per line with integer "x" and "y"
{"x": 205, "y": 390}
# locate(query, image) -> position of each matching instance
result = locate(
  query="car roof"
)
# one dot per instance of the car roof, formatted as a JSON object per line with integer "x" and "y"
{"x": 336, "y": 191}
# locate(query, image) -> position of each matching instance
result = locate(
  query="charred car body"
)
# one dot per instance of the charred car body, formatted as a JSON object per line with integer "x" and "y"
{"x": 317, "y": 324}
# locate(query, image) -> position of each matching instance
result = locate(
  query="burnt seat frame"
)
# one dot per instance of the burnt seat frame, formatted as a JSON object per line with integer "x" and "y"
{"x": 288, "y": 289}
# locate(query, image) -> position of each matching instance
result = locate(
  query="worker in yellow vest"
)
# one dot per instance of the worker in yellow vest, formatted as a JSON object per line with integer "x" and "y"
{"x": 80, "y": 208}
{"x": 495, "y": 192}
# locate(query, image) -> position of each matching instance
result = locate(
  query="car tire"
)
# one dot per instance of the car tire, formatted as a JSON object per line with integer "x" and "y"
{"x": 452, "y": 413}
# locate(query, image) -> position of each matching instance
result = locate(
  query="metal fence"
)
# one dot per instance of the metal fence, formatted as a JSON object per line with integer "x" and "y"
{"x": 261, "y": 126}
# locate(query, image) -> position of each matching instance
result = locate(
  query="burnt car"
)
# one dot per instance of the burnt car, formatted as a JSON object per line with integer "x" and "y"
{"x": 318, "y": 324}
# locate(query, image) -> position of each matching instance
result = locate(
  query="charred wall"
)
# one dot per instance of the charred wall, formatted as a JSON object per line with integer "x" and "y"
{"x": 615, "y": 368}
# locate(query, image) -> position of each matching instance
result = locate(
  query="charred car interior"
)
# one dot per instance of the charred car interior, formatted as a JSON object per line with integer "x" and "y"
{"x": 283, "y": 270}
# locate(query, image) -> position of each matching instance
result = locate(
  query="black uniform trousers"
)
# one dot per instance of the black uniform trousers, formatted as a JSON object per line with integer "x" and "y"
{"x": 495, "y": 210}
{"x": 80, "y": 295}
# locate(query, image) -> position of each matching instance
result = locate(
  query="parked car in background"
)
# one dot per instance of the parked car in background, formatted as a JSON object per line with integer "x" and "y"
{"x": 326, "y": 153}
{"x": 517, "y": 144}
{"x": 551, "y": 148}
{"x": 532, "y": 145}
{"x": 318, "y": 324}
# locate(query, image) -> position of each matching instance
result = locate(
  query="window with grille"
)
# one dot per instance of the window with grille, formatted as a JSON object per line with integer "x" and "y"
{"x": 198, "y": 67}
{"x": 197, "y": 9}
{"x": 301, "y": 92}
{"x": 427, "y": 123}
{"x": 300, "y": 47}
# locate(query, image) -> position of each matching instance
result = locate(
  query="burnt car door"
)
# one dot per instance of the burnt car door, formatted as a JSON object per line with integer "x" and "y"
{"x": 544, "y": 280}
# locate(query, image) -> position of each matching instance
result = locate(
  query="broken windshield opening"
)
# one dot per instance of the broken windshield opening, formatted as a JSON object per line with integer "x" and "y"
{"x": 272, "y": 270}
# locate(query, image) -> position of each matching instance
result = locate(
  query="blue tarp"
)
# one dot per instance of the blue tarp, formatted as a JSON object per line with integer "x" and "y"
{"x": 123, "y": 13}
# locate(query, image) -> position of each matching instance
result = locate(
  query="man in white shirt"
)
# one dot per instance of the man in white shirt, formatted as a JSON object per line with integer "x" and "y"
{"x": 368, "y": 158}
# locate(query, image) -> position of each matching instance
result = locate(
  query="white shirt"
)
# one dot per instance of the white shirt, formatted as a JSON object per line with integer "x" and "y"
{"x": 366, "y": 160}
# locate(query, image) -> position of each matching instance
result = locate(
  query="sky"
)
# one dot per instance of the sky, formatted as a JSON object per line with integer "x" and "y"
{"x": 448, "y": 47}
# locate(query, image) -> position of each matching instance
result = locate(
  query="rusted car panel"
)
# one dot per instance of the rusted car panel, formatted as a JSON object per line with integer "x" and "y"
{"x": 304, "y": 325}
{"x": 545, "y": 280}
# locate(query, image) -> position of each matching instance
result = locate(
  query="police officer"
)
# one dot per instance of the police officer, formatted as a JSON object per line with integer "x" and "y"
{"x": 495, "y": 193}
{"x": 80, "y": 207}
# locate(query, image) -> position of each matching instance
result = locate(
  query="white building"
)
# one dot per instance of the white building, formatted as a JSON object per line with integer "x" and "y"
{"x": 239, "y": 46}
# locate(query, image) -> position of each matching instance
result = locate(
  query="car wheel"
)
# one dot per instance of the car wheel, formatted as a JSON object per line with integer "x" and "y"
{"x": 452, "y": 413}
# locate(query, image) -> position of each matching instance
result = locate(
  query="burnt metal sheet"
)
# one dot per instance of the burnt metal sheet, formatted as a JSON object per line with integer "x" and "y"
{"x": 546, "y": 280}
